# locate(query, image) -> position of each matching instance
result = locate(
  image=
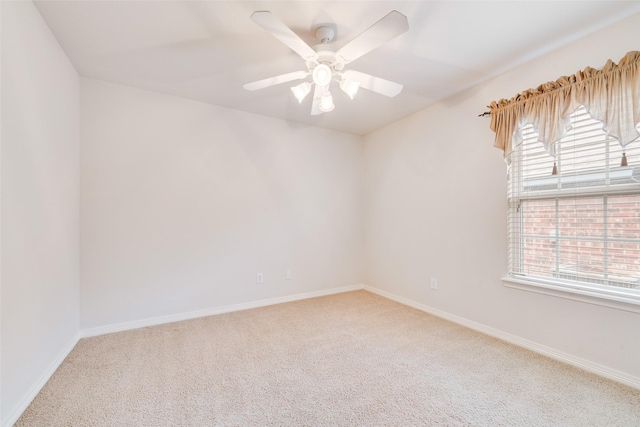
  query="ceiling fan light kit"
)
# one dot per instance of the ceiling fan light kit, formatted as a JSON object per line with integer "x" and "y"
{"x": 324, "y": 63}
{"x": 322, "y": 75}
{"x": 349, "y": 87}
{"x": 326, "y": 103}
{"x": 301, "y": 91}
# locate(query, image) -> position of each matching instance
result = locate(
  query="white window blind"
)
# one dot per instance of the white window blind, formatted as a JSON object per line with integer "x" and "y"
{"x": 578, "y": 229}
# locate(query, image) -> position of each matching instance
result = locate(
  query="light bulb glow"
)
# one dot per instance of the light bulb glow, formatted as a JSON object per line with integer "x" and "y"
{"x": 301, "y": 91}
{"x": 326, "y": 103}
{"x": 349, "y": 87}
{"x": 322, "y": 75}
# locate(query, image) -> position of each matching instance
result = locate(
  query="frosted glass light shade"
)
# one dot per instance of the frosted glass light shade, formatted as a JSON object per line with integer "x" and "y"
{"x": 301, "y": 91}
{"x": 349, "y": 87}
{"x": 326, "y": 103}
{"x": 322, "y": 75}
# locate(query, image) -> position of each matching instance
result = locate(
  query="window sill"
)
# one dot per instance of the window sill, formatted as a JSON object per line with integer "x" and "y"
{"x": 582, "y": 294}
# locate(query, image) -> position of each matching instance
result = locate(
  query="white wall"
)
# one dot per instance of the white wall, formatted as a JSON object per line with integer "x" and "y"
{"x": 40, "y": 207}
{"x": 182, "y": 203}
{"x": 435, "y": 206}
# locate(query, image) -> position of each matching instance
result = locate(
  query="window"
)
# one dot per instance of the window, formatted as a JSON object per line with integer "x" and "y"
{"x": 578, "y": 230}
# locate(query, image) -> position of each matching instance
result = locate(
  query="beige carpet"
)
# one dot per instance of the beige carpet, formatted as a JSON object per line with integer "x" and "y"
{"x": 352, "y": 359}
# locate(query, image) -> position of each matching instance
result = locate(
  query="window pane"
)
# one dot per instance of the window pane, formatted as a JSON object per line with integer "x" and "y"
{"x": 623, "y": 217}
{"x": 539, "y": 217}
{"x": 582, "y": 260}
{"x": 539, "y": 257}
{"x": 623, "y": 229}
{"x": 539, "y": 230}
{"x": 581, "y": 217}
{"x": 624, "y": 265}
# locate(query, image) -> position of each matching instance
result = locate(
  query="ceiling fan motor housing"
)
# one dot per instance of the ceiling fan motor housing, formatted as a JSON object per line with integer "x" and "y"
{"x": 326, "y": 55}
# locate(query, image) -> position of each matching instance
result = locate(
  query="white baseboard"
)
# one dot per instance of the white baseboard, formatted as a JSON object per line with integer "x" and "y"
{"x": 13, "y": 416}
{"x": 126, "y": 326}
{"x": 587, "y": 365}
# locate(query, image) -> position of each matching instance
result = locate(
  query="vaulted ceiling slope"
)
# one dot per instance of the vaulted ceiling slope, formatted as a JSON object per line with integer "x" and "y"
{"x": 206, "y": 50}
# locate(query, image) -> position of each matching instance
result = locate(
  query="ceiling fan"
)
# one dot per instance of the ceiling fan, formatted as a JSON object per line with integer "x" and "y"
{"x": 326, "y": 64}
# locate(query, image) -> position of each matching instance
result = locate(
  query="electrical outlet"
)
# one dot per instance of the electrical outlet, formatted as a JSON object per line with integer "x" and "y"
{"x": 288, "y": 275}
{"x": 434, "y": 283}
{"x": 259, "y": 278}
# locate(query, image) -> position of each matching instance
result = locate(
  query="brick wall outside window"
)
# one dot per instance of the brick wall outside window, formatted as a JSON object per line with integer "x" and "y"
{"x": 566, "y": 237}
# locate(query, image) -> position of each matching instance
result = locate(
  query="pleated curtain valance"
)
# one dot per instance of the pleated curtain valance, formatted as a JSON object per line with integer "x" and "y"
{"x": 610, "y": 95}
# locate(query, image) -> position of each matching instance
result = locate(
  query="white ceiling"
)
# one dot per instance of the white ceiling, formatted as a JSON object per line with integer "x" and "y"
{"x": 206, "y": 50}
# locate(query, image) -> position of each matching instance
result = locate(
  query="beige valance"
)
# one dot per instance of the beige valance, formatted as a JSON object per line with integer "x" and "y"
{"x": 611, "y": 95}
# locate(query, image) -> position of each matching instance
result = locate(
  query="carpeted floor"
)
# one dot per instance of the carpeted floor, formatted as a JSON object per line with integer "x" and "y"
{"x": 352, "y": 359}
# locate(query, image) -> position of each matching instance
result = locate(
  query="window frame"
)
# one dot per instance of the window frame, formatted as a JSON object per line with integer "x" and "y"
{"x": 606, "y": 295}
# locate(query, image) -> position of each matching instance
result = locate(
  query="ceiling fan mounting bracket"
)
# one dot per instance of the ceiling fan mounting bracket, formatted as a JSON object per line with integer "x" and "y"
{"x": 324, "y": 33}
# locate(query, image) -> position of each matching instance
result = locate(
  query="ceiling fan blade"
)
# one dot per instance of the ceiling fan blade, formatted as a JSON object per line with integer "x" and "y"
{"x": 374, "y": 84}
{"x": 279, "y": 30}
{"x": 388, "y": 28}
{"x": 272, "y": 81}
{"x": 315, "y": 107}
